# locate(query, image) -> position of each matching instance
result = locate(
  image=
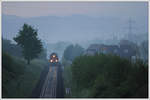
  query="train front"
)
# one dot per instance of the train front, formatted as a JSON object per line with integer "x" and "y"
{"x": 54, "y": 61}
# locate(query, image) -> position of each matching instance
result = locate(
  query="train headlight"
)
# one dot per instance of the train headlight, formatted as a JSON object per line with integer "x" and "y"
{"x": 51, "y": 60}
{"x": 54, "y": 56}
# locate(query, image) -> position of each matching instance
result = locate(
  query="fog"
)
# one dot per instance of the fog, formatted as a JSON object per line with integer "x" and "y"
{"x": 61, "y": 24}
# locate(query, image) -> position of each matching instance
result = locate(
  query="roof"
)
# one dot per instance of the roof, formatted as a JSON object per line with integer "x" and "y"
{"x": 113, "y": 49}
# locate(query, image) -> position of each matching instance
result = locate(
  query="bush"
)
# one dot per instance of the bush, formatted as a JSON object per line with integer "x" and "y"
{"x": 11, "y": 70}
{"x": 18, "y": 78}
{"x": 109, "y": 76}
{"x": 12, "y": 66}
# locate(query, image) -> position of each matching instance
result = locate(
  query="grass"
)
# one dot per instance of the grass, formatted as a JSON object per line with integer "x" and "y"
{"x": 30, "y": 78}
{"x": 67, "y": 78}
{"x": 19, "y": 79}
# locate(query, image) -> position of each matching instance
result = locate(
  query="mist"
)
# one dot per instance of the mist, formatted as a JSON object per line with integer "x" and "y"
{"x": 75, "y": 49}
{"x": 106, "y": 25}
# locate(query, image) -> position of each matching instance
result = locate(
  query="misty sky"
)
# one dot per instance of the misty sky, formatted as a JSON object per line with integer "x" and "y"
{"x": 34, "y": 9}
{"x": 96, "y": 16}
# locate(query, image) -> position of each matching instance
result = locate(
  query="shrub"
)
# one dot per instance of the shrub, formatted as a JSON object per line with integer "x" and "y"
{"x": 109, "y": 76}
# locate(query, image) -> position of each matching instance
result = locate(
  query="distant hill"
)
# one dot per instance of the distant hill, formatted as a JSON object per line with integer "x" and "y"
{"x": 69, "y": 28}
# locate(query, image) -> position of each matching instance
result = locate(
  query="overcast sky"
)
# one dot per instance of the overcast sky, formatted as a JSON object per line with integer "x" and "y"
{"x": 95, "y": 9}
{"x": 104, "y": 18}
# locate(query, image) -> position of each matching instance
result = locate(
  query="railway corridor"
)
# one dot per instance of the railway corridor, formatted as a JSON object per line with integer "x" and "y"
{"x": 50, "y": 85}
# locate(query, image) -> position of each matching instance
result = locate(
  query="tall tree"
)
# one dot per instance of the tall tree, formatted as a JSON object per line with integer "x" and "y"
{"x": 28, "y": 40}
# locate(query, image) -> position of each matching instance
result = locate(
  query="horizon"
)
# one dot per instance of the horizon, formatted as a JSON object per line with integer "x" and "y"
{"x": 34, "y": 9}
{"x": 72, "y": 21}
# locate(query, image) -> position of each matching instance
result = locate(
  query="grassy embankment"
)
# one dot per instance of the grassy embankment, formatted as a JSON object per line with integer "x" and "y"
{"x": 67, "y": 76}
{"x": 106, "y": 76}
{"x": 18, "y": 78}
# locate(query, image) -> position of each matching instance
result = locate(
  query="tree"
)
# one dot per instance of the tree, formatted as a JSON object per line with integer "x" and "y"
{"x": 108, "y": 76}
{"x": 144, "y": 47}
{"x": 133, "y": 46}
{"x": 11, "y": 48}
{"x": 72, "y": 52}
{"x": 68, "y": 52}
{"x": 28, "y": 40}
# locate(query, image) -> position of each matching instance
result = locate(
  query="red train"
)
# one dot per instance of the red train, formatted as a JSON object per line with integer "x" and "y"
{"x": 54, "y": 59}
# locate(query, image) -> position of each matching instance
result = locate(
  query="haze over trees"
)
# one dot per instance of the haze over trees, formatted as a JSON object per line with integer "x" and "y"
{"x": 106, "y": 75}
{"x": 144, "y": 50}
{"x": 11, "y": 48}
{"x": 100, "y": 75}
{"x": 58, "y": 47}
{"x": 28, "y": 40}
{"x": 72, "y": 51}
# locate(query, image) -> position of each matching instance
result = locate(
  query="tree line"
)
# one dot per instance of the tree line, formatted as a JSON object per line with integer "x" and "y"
{"x": 108, "y": 76}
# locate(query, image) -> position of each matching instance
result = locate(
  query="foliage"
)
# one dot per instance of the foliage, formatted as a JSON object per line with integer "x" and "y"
{"x": 9, "y": 64}
{"x": 144, "y": 50}
{"x": 11, "y": 70}
{"x": 67, "y": 78}
{"x": 132, "y": 45}
{"x": 43, "y": 54}
{"x": 28, "y": 40}
{"x": 72, "y": 52}
{"x": 108, "y": 76}
{"x": 19, "y": 79}
{"x": 11, "y": 48}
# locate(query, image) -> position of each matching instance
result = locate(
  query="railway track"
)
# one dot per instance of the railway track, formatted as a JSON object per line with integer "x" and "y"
{"x": 49, "y": 89}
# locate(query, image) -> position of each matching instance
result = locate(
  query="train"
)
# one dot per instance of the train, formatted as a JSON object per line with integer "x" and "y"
{"x": 54, "y": 60}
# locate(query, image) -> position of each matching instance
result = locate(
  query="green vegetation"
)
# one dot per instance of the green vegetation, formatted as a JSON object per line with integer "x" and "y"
{"x": 18, "y": 78}
{"x": 67, "y": 78}
{"x": 72, "y": 51}
{"x": 107, "y": 76}
{"x": 11, "y": 48}
{"x": 29, "y": 42}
